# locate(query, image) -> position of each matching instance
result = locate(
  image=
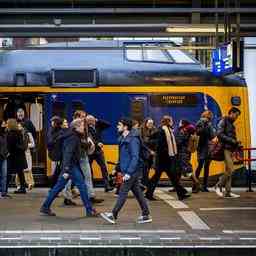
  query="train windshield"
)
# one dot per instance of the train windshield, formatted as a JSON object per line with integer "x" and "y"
{"x": 156, "y": 52}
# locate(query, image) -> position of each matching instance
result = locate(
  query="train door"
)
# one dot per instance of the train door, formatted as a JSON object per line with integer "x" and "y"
{"x": 33, "y": 106}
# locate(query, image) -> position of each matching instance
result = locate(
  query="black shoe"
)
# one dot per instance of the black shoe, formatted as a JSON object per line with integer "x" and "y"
{"x": 108, "y": 189}
{"x": 20, "y": 191}
{"x": 185, "y": 196}
{"x": 205, "y": 190}
{"x": 47, "y": 212}
{"x": 93, "y": 214}
{"x": 96, "y": 200}
{"x": 69, "y": 202}
{"x": 6, "y": 196}
{"x": 150, "y": 198}
{"x": 172, "y": 190}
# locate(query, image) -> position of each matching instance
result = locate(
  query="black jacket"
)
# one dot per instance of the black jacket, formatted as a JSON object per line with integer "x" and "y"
{"x": 3, "y": 147}
{"x": 227, "y": 134}
{"x": 206, "y": 133}
{"x": 71, "y": 151}
{"x": 28, "y": 125}
{"x": 96, "y": 133}
{"x": 16, "y": 147}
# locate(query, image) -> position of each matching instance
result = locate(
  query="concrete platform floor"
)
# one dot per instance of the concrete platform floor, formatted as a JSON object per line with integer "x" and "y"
{"x": 202, "y": 221}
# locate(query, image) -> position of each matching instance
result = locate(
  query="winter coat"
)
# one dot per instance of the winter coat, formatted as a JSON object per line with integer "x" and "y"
{"x": 206, "y": 133}
{"x": 72, "y": 152}
{"x": 129, "y": 153}
{"x": 29, "y": 126}
{"x": 96, "y": 133}
{"x": 16, "y": 146}
{"x": 147, "y": 136}
{"x": 184, "y": 155}
{"x": 163, "y": 159}
{"x": 3, "y": 147}
{"x": 227, "y": 134}
{"x": 31, "y": 145}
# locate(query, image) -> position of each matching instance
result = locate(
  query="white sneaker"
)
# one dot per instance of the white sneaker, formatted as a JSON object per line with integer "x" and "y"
{"x": 109, "y": 217}
{"x": 234, "y": 195}
{"x": 218, "y": 191}
{"x": 144, "y": 219}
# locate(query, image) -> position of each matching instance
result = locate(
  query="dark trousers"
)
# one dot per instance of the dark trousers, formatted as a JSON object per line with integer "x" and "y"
{"x": 132, "y": 184}
{"x": 146, "y": 167}
{"x": 172, "y": 174}
{"x": 100, "y": 160}
{"x": 21, "y": 176}
{"x": 206, "y": 164}
{"x": 56, "y": 174}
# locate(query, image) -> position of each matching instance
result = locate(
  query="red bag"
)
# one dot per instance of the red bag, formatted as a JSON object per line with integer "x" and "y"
{"x": 216, "y": 150}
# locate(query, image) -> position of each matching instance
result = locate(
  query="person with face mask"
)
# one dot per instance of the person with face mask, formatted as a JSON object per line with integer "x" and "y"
{"x": 226, "y": 134}
{"x": 130, "y": 166}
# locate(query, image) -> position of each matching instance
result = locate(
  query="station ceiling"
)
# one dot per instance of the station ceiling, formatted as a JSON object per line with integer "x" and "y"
{"x": 69, "y": 18}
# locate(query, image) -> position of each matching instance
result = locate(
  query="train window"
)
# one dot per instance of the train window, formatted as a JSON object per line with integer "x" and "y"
{"x": 74, "y": 78}
{"x": 134, "y": 52}
{"x": 154, "y": 54}
{"x": 180, "y": 57}
{"x": 20, "y": 79}
{"x": 59, "y": 109}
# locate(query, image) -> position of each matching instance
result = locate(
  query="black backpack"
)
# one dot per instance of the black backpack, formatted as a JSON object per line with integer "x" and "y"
{"x": 55, "y": 147}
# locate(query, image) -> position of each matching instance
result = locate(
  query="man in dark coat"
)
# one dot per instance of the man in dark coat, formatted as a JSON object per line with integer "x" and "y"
{"x": 71, "y": 170}
{"x": 227, "y": 135}
{"x": 166, "y": 160}
{"x": 95, "y": 128}
{"x": 130, "y": 166}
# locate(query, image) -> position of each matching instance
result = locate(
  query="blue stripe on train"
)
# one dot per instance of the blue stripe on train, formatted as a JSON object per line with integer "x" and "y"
{"x": 112, "y": 106}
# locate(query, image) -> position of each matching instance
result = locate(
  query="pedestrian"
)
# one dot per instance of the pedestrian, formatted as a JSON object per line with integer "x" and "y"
{"x": 130, "y": 166}
{"x": 3, "y": 161}
{"x": 227, "y": 136}
{"x": 166, "y": 160}
{"x": 71, "y": 169}
{"x": 95, "y": 128}
{"x": 206, "y": 133}
{"x": 16, "y": 161}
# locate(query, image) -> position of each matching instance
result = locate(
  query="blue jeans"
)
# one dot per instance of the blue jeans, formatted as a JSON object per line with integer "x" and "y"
{"x": 3, "y": 177}
{"x": 86, "y": 169}
{"x": 78, "y": 179}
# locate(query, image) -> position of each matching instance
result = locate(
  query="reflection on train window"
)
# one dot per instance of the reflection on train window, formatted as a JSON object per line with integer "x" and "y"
{"x": 77, "y": 105}
{"x": 59, "y": 109}
{"x": 134, "y": 54}
{"x": 156, "y": 54}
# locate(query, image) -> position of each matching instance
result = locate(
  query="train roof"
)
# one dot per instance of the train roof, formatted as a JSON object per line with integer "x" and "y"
{"x": 108, "y": 62}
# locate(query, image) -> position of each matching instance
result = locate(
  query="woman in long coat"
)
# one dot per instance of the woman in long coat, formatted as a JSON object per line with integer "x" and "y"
{"x": 16, "y": 161}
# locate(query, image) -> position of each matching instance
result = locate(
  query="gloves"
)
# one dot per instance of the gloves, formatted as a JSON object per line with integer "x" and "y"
{"x": 126, "y": 177}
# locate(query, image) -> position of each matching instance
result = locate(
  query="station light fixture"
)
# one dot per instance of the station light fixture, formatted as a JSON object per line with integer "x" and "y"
{"x": 194, "y": 29}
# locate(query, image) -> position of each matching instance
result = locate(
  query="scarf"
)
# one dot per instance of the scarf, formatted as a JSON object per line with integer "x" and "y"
{"x": 171, "y": 143}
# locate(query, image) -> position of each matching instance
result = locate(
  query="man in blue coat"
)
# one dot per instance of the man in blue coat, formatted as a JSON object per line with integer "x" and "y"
{"x": 130, "y": 166}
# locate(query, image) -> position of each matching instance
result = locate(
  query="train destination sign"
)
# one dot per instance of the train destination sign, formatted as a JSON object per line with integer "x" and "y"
{"x": 165, "y": 100}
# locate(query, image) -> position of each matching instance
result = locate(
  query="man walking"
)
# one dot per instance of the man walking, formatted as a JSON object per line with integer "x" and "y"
{"x": 227, "y": 135}
{"x": 130, "y": 166}
{"x": 71, "y": 170}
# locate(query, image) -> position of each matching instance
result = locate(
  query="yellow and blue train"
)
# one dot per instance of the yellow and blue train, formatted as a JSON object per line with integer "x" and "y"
{"x": 111, "y": 79}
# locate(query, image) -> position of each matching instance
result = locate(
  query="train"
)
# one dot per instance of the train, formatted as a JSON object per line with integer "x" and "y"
{"x": 112, "y": 79}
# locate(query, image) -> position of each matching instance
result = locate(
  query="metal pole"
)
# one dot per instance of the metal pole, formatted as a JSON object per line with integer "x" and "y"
{"x": 238, "y": 20}
{"x": 249, "y": 173}
{"x": 216, "y": 24}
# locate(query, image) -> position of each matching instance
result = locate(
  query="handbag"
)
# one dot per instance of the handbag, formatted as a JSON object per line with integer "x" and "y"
{"x": 216, "y": 150}
{"x": 238, "y": 156}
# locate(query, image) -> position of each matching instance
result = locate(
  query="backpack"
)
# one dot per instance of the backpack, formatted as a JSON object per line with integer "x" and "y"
{"x": 193, "y": 143}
